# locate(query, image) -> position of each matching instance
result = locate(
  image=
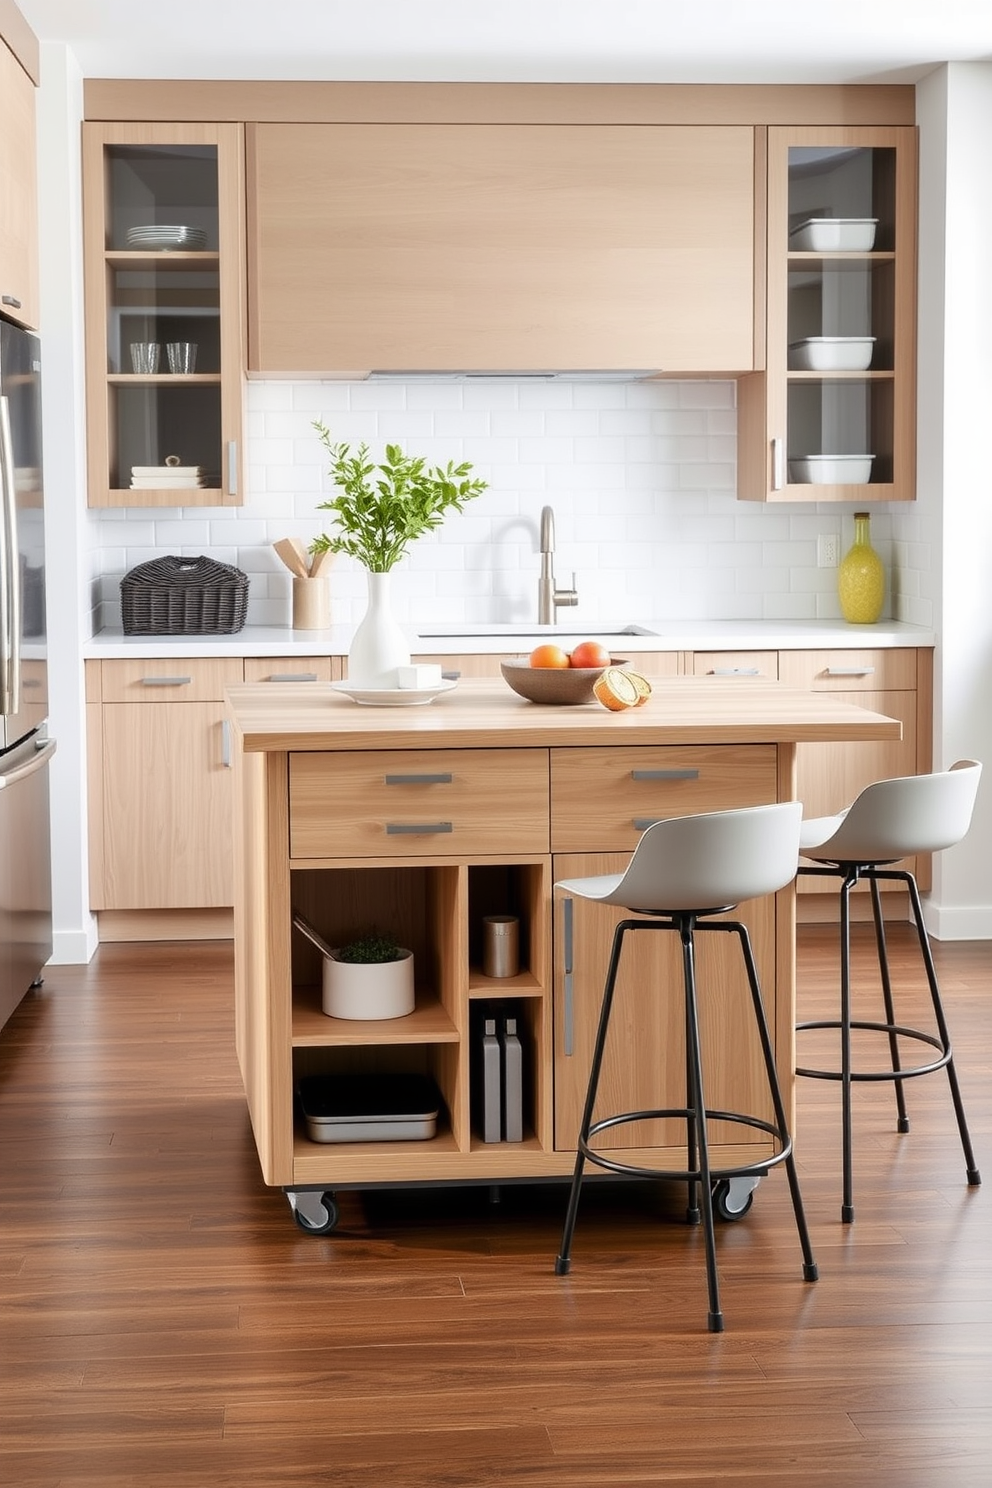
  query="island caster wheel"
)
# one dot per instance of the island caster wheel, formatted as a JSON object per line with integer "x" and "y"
{"x": 315, "y": 1213}
{"x": 733, "y": 1197}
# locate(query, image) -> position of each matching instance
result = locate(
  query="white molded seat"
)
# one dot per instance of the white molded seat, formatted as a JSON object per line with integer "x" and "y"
{"x": 889, "y": 820}
{"x": 684, "y": 870}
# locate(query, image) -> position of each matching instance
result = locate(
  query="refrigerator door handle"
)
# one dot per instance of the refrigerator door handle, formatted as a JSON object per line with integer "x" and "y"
{"x": 38, "y": 762}
{"x": 10, "y": 574}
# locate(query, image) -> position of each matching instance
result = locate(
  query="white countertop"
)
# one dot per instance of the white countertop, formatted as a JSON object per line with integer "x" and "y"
{"x": 666, "y": 635}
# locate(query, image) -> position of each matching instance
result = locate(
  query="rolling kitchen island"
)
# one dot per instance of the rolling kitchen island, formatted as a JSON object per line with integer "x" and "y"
{"x": 422, "y": 821}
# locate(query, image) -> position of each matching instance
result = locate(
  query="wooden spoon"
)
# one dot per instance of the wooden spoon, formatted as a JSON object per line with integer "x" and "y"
{"x": 294, "y": 555}
{"x": 320, "y": 561}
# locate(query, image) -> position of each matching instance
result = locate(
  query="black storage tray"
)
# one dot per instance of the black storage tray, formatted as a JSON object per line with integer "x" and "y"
{"x": 369, "y": 1108}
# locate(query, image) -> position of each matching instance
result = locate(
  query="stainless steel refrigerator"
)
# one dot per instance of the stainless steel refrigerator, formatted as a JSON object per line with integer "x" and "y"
{"x": 25, "y": 748}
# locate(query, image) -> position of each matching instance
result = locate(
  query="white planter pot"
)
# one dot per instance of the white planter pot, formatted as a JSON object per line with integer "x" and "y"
{"x": 368, "y": 991}
{"x": 379, "y": 646}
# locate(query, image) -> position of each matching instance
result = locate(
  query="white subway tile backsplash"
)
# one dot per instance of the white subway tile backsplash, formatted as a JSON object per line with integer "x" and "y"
{"x": 641, "y": 477}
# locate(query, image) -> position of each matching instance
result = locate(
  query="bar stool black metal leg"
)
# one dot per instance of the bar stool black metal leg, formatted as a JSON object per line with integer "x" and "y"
{"x": 971, "y": 1167}
{"x": 847, "y": 1201}
{"x": 902, "y": 1117}
{"x": 810, "y": 1269}
{"x": 693, "y": 1214}
{"x": 563, "y": 1261}
{"x": 697, "y": 1104}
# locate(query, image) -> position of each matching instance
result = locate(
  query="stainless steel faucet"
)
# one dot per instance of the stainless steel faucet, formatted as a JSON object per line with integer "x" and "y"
{"x": 548, "y": 597}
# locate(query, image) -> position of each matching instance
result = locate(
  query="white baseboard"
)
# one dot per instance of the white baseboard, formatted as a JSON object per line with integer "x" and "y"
{"x": 958, "y": 922}
{"x": 74, "y": 947}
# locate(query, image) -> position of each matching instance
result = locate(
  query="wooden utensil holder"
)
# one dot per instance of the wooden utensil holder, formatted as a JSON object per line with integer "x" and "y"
{"x": 311, "y": 604}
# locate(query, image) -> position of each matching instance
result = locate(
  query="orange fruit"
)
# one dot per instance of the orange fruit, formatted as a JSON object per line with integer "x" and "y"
{"x": 589, "y": 654}
{"x": 615, "y": 690}
{"x": 548, "y": 655}
{"x": 643, "y": 688}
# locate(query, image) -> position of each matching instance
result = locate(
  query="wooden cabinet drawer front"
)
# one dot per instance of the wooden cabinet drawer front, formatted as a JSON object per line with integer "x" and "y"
{"x": 170, "y": 680}
{"x": 735, "y": 664}
{"x": 278, "y": 669}
{"x": 602, "y": 799}
{"x": 402, "y": 803}
{"x": 849, "y": 671}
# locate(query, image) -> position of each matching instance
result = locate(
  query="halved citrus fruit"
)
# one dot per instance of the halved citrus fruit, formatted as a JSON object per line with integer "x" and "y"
{"x": 615, "y": 690}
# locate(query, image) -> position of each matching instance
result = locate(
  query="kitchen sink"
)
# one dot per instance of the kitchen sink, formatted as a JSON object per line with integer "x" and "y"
{"x": 556, "y": 632}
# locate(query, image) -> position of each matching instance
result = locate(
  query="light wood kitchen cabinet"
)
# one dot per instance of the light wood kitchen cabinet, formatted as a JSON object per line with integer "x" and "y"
{"x": 896, "y": 682}
{"x": 163, "y": 225}
{"x": 18, "y": 193}
{"x": 840, "y": 353}
{"x": 505, "y": 247}
{"x": 594, "y": 832}
{"x": 160, "y": 784}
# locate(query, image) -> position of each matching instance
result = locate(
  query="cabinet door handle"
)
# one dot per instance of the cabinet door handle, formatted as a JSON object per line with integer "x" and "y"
{"x": 778, "y": 464}
{"x": 292, "y": 677}
{"x": 568, "y": 1031}
{"x": 441, "y": 779}
{"x": 849, "y": 671}
{"x": 664, "y": 774}
{"x": 232, "y": 467}
{"x": 417, "y": 829}
{"x": 736, "y": 672}
{"x": 12, "y": 301}
{"x": 450, "y": 676}
{"x": 166, "y": 681}
{"x": 225, "y": 743}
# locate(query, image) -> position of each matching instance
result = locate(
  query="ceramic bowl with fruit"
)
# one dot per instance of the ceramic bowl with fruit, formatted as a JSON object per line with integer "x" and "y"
{"x": 552, "y": 675}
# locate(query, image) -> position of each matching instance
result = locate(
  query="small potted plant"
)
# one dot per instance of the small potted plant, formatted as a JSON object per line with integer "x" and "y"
{"x": 369, "y": 978}
{"x": 380, "y": 510}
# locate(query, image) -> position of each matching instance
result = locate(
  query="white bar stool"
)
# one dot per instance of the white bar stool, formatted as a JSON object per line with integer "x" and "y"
{"x": 682, "y": 871}
{"x": 889, "y": 820}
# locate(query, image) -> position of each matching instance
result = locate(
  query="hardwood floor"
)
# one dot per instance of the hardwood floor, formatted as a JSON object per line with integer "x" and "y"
{"x": 163, "y": 1321}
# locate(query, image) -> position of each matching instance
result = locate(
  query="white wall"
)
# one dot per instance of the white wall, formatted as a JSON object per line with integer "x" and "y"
{"x": 641, "y": 477}
{"x": 955, "y": 496}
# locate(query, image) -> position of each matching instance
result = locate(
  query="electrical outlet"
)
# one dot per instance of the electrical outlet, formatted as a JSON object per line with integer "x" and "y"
{"x": 827, "y": 545}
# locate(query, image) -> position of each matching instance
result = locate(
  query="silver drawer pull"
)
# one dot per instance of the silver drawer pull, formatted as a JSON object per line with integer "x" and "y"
{"x": 12, "y": 301}
{"x": 849, "y": 671}
{"x": 664, "y": 774}
{"x": 225, "y": 743}
{"x": 450, "y": 676}
{"x": 166, "y": 681}
{"x": 441, "y": 779}
{"x": 292, "y": 677}
{"x": 736, "y": 672}
{"x": 641, "y": 823}
{"x": 417, "y": 829}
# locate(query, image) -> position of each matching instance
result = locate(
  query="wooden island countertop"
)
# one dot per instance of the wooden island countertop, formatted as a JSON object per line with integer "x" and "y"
{"x": 482, "y": 713}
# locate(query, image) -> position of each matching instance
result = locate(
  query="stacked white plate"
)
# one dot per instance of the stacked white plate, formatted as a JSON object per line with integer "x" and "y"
{"x": 167, "y": 235}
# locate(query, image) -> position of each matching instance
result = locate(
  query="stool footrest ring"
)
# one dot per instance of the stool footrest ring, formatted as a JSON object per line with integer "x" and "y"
{"x": 756, "y": 1169}
{"x": 885, "y": 1074}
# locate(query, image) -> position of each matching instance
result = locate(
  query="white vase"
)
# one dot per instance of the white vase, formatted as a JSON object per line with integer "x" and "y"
{"x": 379, "y": 645}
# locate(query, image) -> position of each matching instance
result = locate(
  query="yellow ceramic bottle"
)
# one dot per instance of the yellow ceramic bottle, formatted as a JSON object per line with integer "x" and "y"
{"x": 861, "y": 577}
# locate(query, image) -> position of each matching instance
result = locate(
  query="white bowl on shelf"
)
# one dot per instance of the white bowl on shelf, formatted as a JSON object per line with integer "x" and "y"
{"x": 831, "y": 470}
{"x": 834, "y": 235}
{"x": 831, "y": 354}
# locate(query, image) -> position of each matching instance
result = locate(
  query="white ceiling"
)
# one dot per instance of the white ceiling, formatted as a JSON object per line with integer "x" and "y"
{"x": 722, "y": 41}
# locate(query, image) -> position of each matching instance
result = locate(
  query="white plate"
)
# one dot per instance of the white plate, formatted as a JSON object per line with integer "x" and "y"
{"x": 393, "y": 697}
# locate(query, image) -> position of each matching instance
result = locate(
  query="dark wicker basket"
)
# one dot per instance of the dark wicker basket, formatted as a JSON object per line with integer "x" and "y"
{"x": 184, "y": 596}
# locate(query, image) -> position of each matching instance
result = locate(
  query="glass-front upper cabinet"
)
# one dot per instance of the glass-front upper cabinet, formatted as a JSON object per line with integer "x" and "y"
{"x": 165, "y": 311}
{"x": 833, "y": 417}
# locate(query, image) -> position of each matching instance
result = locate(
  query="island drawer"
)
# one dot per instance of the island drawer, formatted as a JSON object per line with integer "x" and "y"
{"x": 408, "y": 802}
{"x": 880, "y": 670}
{"x": 603, "y": 798}
{"x": 179, "y": 679}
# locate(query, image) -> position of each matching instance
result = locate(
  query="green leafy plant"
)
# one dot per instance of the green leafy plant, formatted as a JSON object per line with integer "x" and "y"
{"x": 380, "y": 509}
{"x": 371, "y": 948}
